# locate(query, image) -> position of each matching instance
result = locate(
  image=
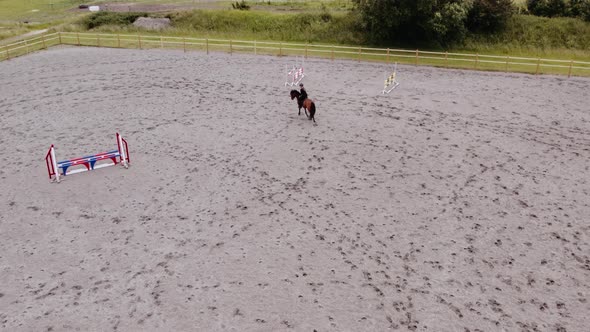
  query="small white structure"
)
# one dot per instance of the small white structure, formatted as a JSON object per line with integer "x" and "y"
{"x": 94, "y": 8}
{"x": 390, "y": 81}
{"x": 295, "y": 75}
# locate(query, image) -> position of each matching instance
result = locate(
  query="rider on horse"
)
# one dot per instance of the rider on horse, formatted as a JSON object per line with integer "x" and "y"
{"x": 303, "y": 95}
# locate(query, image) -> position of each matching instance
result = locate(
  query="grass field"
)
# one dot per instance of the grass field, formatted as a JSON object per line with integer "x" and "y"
{"x": 18, "y": 17}
{"x": 21, "y": 16}
{"x": 35, "y": 10}
{"x": 12, "y": 11}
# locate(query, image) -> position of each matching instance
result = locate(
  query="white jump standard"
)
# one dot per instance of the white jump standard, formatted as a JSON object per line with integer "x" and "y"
{"x": 390, "y": 82}
{"x": 295, "y": 75}
{"x": 55, "y": 169}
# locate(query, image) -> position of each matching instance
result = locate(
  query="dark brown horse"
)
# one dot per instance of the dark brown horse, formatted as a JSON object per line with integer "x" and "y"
{"x": 307, "y": 104}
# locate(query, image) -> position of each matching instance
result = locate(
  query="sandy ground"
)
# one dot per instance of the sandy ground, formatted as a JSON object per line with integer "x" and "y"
{"x": 459, "y": 202}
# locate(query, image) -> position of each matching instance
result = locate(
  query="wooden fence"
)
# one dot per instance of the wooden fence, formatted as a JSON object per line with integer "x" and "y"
{"x": 416, "y": 57}
{"x": 29, "y": 45}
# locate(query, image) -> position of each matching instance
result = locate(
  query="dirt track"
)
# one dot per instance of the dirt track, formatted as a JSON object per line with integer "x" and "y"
{"x": 155, "y": 8}
{"x": 460, "y": 202}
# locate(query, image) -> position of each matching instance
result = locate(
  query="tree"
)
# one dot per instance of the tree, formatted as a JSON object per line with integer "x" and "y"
{"x": 581, "y": 9}
{"x": 548, "y": 8}
{"x": 555, "y": 8}
{"x": 489, "y": 15}
{"x": 448, "y": 24}
{"x": 442, "y": 21}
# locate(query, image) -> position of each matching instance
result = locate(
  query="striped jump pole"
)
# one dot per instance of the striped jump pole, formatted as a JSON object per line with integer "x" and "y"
{"x": 56, "y": 169}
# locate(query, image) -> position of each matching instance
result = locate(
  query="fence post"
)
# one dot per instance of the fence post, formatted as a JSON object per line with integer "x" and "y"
{"x": 255, "y": 52}
{"x": 569, "y": 73}
{"x": 281, "y": 49}
{"x": 184, "y": 44}
{"x": 59, "y": 34}
{"x": 306, "y": 50}
{"x": 360, "y": 51}
{"x": 43, "y": 39}
{"x": 207, "y": 45}
{"x": 97, "y": 40}
{"x": 388, "y": 55}
{"x": 230, "y": 47}
{"x": 416, "y": 57}
{"x": 447, "y": 59}
{"x": 332, "y": 53}
{"x": 78, "y": 37}
{"x": 7, "y": 54}
{"x": 139, "y": 41}
{"x": 476, "y": 60}
{"x": 538, "y": 65}
{"x": 118, "y": 40}
{"x": 26, "y": 46}
{"x": 161, "y": 42}
{"x": 506, "y": 68}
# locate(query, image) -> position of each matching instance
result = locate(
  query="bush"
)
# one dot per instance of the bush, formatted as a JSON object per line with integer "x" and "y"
{"x": 548, "y": 8}
{"x": 440, "y": 21}
{"x": 539, "y": 33}
{"x": 308, "y": 27}
{"x": 109, "y": 18}
{"x": 581, "y": 9}
{"x": 443, "y": 22}
{"x": 325, "y": 14}
{"x": 448, "y": 25}
{"x": 489, "y": 15}
{"x": 560, "y": 8}
{"x": 240, "y": 5}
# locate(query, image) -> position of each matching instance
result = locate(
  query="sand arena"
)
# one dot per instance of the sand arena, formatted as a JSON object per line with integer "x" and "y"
{"x": 460, "y": 202}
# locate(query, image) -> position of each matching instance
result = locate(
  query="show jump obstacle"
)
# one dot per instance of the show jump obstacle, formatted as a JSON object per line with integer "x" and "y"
{"x": 295, "y": 75}
{"x": 55, "y": 169}
{"x": 390, "y": 82}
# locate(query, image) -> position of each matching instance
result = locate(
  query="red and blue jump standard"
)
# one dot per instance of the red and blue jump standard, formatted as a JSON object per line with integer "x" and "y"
{"x": 55, "y": 169}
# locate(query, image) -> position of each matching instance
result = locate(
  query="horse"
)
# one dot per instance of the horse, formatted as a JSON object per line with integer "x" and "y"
{"x": 307, "y": 104}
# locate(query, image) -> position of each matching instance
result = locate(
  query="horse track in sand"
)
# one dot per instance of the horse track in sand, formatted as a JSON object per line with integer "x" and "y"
{"x": 459, "y": 202}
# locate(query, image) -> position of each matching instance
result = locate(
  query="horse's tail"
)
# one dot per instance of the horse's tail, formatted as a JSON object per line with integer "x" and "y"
{"x": 312, "y": 111}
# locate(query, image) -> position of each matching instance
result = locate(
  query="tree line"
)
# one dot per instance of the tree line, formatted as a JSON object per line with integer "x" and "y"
{"x": 560, "y": 8}
{"x": 450, "y": 21}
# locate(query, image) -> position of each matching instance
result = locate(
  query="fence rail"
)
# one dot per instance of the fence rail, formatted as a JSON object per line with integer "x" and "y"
{"x": 389, "y": 55}
{"x": 29, "y": 45}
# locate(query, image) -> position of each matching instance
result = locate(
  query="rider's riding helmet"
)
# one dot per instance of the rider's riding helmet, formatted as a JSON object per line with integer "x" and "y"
{"x": 301, "y": 85}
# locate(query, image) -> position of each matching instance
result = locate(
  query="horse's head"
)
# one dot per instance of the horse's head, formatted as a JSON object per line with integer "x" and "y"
{"x": 294, "y": 94}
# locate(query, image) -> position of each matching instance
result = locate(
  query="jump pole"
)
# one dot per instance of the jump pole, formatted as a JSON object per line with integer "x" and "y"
{"x": 89, "y": 162}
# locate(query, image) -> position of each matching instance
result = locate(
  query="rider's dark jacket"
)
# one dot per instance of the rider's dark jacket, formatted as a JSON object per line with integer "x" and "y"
{"x": 303, "y": 95}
